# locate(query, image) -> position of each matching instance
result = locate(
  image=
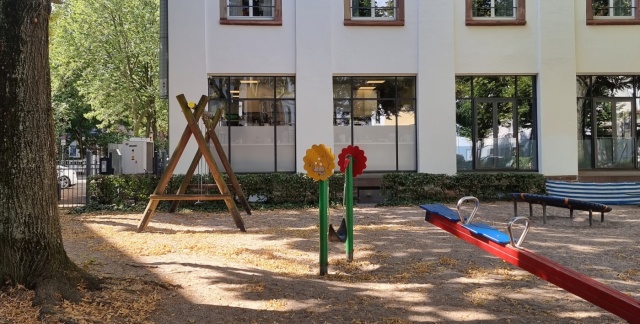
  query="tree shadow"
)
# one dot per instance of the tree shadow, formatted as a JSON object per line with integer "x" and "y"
{"x": 404, "y": 269}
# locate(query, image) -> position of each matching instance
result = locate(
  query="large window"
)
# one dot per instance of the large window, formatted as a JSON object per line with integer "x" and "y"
{"x": 258, "y": 126}
{"x": 613, "y": 12}
{"x": 608, "y": 122}
{"x": 374, "y": 12}
{"x": 495, "y": 123}
{"x": 251, "y": 12}
{"x": 495, "y": 12}
{"x": 378, "y": 114}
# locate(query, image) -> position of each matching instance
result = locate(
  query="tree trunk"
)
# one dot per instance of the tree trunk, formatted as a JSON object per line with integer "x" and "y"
{"x": 31, "y": 250}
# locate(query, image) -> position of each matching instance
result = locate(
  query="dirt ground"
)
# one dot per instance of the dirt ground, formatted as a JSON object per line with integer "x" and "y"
{"x": 193, "y": 267}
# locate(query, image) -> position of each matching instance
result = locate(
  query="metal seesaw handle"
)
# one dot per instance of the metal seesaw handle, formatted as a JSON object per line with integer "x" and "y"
{"x": 524, "y": 232}
{"x": 473, "y": 213}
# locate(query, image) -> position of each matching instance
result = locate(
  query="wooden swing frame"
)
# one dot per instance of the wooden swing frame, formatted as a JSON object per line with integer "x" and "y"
{"x": 202, "y": 140}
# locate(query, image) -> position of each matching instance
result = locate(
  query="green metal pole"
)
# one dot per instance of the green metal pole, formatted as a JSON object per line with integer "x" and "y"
{"x": 349, "y": 209}
{"x": 324, "y": 226}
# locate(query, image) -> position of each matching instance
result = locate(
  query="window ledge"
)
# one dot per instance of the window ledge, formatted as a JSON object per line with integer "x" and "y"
{"x": 350, "y": 22}
{"x": 495, "y": 22}
{"x": 603, "y": 22}
{"x": 224, "y": 21}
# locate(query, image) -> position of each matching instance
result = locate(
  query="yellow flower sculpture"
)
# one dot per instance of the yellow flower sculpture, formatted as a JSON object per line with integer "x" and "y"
{"x": 319, "y": 162}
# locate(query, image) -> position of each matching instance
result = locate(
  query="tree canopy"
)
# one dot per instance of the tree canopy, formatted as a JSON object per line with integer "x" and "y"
{"x": 104, "y": 63}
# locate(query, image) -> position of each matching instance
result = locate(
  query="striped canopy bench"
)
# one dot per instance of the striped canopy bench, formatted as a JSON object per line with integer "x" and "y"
{"x": 606, "y": 193}
{"x": 589, "y": 196}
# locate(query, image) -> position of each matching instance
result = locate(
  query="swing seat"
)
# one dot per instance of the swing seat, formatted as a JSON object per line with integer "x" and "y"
{"x": 340, "y": 235}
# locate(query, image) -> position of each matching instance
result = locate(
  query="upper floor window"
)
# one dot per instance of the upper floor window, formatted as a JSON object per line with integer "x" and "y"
{"x": 251, "y": 12}
{"x": 613, "y": 12}
{"x": 495, "y": 12}
{"x": 373, "y": 12}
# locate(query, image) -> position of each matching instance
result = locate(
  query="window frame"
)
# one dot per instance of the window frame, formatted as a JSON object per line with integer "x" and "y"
{"x": 588, "y": 99}
{"x": 474, "y": 99}
{"x": 396, "y": 98}
{"x": 228, "y": 96}
{"x": 520, "y": 18}
{"x": 613, "y": 20}
{"x": 398, "y": 20}
{"x": 276, "y": 20}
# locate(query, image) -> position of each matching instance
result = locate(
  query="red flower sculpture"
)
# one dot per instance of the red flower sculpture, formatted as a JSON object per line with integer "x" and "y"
{"x": 357, "y": 157}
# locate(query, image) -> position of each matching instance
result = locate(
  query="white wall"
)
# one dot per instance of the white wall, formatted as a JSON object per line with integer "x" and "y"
{"x": 436, "y": 89}
{"x": 251, "y": 50}
{"x": 557, "y": 107}
{"x": 314, "y": 83}
{"x": 496, "y": 49}
{"x": 605, "y": 49}
{"x": 314, "y": 45}
{"x": 374, "y": 50}
{"x": 187, "y": 69}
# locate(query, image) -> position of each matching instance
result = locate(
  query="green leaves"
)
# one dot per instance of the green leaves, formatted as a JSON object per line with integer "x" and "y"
{"x": 420, "y": 188}
{"x": 108, "y": 51}
{"x": 296, "y": 190}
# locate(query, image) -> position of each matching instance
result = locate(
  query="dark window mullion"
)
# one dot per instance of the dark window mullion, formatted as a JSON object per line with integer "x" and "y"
{"x": 351, "y": 85}
{"x": 274, "y": 116}
{"x": 594, "y": 131}
{"x": 396, "y": 104}
{"x": 515, "y": 130}
{"x": 228, "y": 111}
{"x": 634, "y": 131}
{"x": 474, "y": 127}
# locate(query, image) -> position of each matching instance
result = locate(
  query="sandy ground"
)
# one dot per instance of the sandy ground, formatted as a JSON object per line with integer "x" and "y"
{"x": 405, "y": 270}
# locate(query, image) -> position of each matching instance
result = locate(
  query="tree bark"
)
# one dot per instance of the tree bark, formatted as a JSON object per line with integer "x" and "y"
{"x": 31, "y": 249}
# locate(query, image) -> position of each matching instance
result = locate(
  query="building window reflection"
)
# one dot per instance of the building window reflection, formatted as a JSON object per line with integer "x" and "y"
{"x": 258, "y": 125}
{"x": 378, "y": 115}
{"x": 496, "y": 123}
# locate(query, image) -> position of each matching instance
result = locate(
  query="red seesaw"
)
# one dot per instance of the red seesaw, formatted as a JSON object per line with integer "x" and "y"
{"x": 505, "y": 247}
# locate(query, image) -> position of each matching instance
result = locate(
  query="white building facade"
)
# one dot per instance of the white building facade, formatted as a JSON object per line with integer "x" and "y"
{"x": 432, "y": 86}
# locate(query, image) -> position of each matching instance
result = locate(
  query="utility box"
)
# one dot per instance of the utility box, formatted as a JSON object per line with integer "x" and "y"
{"x": 115, "y": 153}
{"x": 137, "y": 156}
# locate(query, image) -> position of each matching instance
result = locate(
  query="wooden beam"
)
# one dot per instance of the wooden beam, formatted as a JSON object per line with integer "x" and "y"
{"x": 173, "y": 161}
{"x": 210, "y": 125}
{"x": 215, "y": 172}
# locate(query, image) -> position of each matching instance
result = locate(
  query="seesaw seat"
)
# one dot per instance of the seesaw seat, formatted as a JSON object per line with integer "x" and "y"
{"x": 478, "y": 229}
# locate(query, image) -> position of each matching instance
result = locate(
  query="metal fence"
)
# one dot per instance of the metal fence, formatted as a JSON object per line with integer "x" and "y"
{"x": 72, "y": 179}
{"x": 73, "y": 187}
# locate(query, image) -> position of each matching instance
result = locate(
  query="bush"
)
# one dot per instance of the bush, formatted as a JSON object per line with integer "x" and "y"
{"x": 277, "y": 190}
{"x": 420, "y": 188}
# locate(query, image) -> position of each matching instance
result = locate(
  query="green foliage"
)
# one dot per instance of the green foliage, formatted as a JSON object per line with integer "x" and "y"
{"x": 121, "y": 189}
{"x": 286, "y": 190}
{"x": 131, "y": 192}
{"x": 104, "y": 64}
{"x": 483, "y": 87}
{"x": 420, "y": 188}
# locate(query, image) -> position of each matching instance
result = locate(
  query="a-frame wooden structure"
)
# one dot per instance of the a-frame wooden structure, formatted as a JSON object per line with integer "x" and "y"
{"x": 202, "y": 140}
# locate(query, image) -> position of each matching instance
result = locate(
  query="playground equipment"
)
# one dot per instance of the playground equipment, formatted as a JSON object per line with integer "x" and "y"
{"x": 318, "y": 162}
{"x": 319, "y": 166}
{"x": 505, "y": 247}
{"x": 352, "y": 163}
{"x": 192, "y": 128}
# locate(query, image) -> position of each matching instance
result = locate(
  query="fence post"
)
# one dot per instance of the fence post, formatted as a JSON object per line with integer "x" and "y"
{"x": 89, "y": 168}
